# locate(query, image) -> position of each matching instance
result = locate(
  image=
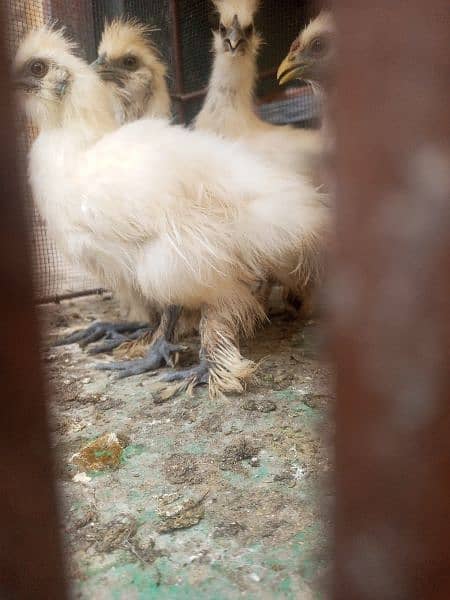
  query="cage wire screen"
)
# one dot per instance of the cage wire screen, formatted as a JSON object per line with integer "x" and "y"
{"x": 182, "y": 33}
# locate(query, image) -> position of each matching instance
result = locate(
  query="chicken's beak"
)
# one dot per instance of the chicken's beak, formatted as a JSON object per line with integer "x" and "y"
{"x": 291, "y": 68}
{"x": 106, "y": 72}
{"x": 235, "y": 35}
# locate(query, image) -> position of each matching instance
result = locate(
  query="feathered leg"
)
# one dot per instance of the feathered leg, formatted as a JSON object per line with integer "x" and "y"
{"x": 160, "y": 351}
{"x": 221, "y": 364}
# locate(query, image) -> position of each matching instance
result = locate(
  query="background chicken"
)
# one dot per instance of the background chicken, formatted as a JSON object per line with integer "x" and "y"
{"x": 229, "y": 111}
{"x": 312, "y": 57}
{"x": 229, "y": 108}
{"x": 185, "y": 219}
{"x": 131, "y": 67}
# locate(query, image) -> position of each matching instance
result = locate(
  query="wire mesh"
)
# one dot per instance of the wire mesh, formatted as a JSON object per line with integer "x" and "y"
{"x": 53, "y": 276}
{"x": 186, "y": 47}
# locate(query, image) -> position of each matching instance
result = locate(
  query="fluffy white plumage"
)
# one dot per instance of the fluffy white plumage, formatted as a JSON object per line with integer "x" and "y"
{"x": 180, "y": 217}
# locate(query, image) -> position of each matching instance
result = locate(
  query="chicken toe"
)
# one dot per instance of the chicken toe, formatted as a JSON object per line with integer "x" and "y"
{"x": 113, "y": 333}
{"x": 113, "y": 340}
{"x": 160, "y": 354}
{"x": 193, "y": 376}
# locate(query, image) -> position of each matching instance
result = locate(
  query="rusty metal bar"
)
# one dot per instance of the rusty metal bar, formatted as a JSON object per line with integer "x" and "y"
{"x": 188, "y": 96}
{"x": 390, "y": 301}
{"x": 177, "y": 57}
{"x": 30, "y": 550}
{"x": 194, "y": 95}
{"x": 70, "y": 295}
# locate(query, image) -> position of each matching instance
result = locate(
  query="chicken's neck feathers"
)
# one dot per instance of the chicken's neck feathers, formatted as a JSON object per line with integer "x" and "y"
{"x": 145, "y": 102}
{"x": 159, "y": 106}
{"x": 229, "y": 104}
{"x": 86, "y": 112}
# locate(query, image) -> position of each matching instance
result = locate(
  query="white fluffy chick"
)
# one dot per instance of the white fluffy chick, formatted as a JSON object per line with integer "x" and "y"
{"x": 182, "y": 217}
{"x": 229, "y": 108}
{"x": 131, "y": 66}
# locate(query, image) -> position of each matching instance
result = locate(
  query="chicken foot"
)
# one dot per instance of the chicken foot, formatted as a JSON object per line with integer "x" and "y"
{"x": 159, "y": 354}
{"x": 193, "y": 376}
{"x": 113, "y": 340}
{"x": 113, "y": 334}
{"x": 221, "y": 365}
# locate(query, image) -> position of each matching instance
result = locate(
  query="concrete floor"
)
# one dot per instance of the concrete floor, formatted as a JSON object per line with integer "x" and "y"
{"x": 208, "y": 499}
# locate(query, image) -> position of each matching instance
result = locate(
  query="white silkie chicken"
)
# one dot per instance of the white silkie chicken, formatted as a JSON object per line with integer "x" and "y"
{"x": 229, "y": 107}
{"x": 229, "y": 110}
{"x": 312, "y": 58}
{"x": 184, "y": 218}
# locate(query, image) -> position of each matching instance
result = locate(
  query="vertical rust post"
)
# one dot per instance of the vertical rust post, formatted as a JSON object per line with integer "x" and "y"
{"x": 174, "y": 20}
{"x": 30, "y": 550}
{"x": 390, "y": 300}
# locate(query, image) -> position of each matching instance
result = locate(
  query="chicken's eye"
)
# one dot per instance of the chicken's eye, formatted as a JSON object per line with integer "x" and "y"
{"x": 38, "y": 68}
{"x": 248, "y": 30}
{"x": 130, "y": 62}
{"x": 222, "y": 29}
{"x": 318, "y": 46}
